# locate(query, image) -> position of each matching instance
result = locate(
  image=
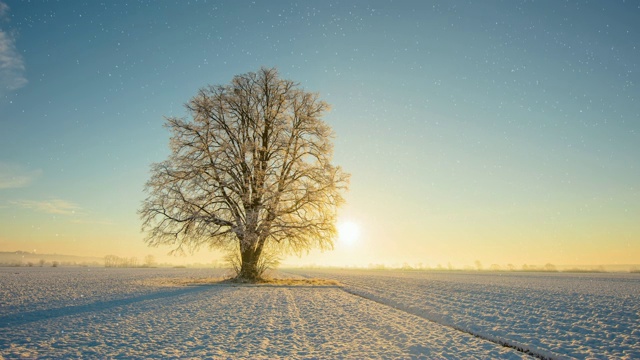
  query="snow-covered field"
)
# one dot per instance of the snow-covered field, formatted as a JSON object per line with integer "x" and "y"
{"x": 150, "y": 313}
{"x": 557, "y": 315}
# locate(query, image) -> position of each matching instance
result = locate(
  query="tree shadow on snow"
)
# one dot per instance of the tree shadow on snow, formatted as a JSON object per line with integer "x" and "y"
{"x": 22, "y": 318}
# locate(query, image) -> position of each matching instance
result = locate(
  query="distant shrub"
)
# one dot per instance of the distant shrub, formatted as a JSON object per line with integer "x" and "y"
{"x": 550, "y": 267}
{"x": 495, "y": 267}
{"x": 54, "y": 264}
{"x": 406, "y": 266}
{"x": 149, "y": 261}
{"x": 377, "y": 266}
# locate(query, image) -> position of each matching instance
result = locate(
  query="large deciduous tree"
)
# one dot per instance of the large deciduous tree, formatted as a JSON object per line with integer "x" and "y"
{"x": 250, "y": 168}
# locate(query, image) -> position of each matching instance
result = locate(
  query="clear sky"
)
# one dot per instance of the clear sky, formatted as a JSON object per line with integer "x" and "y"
{"x": 499, "y": 131}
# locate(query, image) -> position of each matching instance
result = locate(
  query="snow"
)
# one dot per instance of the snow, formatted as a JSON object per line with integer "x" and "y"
{"x": 556, "y": 315}
{"x": 184, "y": 313}
{"x": 146, "y": 313}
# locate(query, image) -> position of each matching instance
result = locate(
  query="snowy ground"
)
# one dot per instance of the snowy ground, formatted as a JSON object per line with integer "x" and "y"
{"x": 151, "y": 313}
{"x": 553, "y": 315}
{"x": 136, "y": 313}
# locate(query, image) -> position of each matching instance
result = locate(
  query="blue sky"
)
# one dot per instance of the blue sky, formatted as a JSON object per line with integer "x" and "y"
{"x": 499, "y": 131}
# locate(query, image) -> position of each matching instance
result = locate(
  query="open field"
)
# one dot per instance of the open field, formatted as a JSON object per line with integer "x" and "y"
{"x": 179, "y": 313}
{"x": 550, "y": 314}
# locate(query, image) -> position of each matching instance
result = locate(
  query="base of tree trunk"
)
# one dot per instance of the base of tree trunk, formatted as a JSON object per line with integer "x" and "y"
{"x": 249, "y": 269}
{"x": 243, "y": 280}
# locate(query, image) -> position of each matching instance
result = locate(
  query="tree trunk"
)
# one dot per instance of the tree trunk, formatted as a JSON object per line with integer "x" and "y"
{"x": 250, "y": 248}
{"x": 249, "y": 267}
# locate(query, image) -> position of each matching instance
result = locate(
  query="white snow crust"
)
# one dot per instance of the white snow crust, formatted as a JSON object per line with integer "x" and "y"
{"x": 141, "y": 313}
{"x": 553, "y": 315}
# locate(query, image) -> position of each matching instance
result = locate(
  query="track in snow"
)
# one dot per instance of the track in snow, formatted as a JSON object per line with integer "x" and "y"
{"x": 521, "y": 348}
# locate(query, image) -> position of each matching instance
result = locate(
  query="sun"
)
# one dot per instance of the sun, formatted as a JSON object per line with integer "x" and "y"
{"x": 348, "y": 232}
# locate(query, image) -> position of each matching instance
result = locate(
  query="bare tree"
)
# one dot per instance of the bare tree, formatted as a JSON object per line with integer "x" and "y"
{"x": 149, "y": 261}
{"x": 478, "y": 265}
{"x": 252, "y": 167}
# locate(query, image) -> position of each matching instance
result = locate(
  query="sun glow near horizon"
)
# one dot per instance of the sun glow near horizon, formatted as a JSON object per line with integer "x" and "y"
{"x": 348, "y": 232}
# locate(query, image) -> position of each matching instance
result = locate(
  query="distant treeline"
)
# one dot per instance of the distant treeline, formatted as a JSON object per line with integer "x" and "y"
{"x": 45, "y": 263}
{"x": 478, "y": 267}
{"x": 550, "y": 268}
{"x": 128, "y": 262}
{"x": 116, "y": 261}
{"x": 33, "y": 259}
